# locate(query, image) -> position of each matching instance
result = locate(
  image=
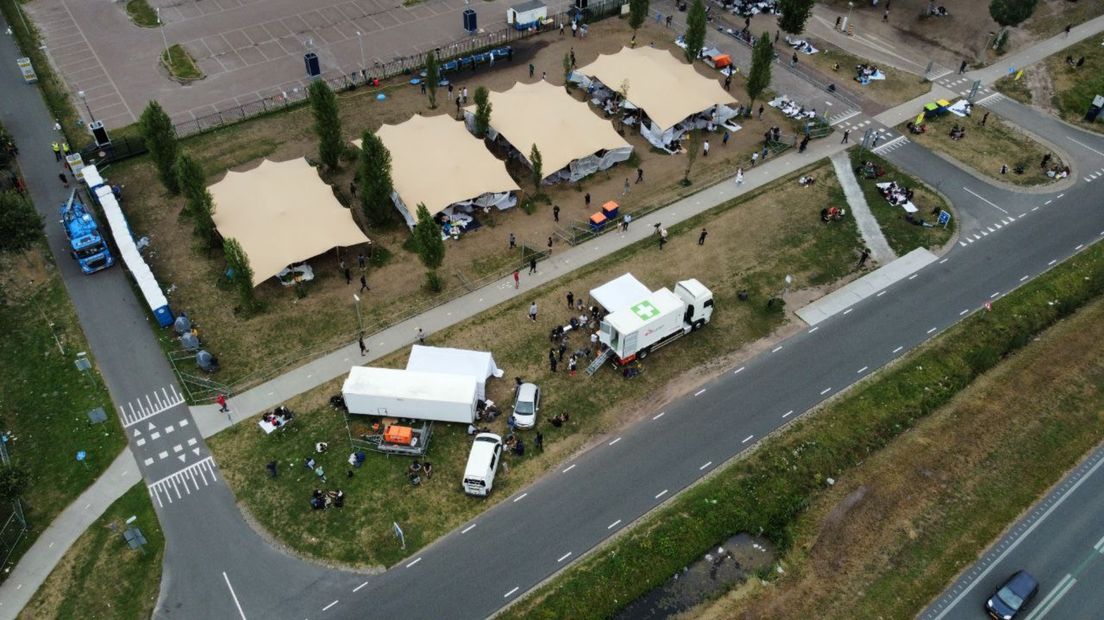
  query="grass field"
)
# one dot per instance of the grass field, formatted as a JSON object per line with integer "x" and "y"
{"x": 886, "y": 538}
{"x": 44, "y": 399}
{"x": 1014, "y": 89}
{"x": 100, "y": 576}
{"x": 902, "y": 235}
{"x": 897, "y": 88}
{"x": 752, "y": 245}
{"x": 142, "y": 14}
{"x": 770, "y": 489}
{"x": 986, "y": 148}
{"x": 180, "y": 64}
{"x": 1075, "y": 87}
{"x": 325, "y": 317}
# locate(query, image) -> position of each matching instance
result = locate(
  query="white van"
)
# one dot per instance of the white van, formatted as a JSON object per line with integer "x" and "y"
{"x": 482, "y": 464}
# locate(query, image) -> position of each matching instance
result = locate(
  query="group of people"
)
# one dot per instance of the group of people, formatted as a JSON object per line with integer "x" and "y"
{"x": 869, "y": 170}
{"x": 958, "y": 132}
{"x": 278, "y": 417}
{"x": 895, "y": 193}
{"x": 320, "y": 500}
{"x": 1080, "y": 62}
{"x": 864, "y": 73}
{"x": 832, "y": 214}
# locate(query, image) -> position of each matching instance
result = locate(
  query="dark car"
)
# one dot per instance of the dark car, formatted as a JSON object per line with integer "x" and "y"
{"x": 1013, "y": 596}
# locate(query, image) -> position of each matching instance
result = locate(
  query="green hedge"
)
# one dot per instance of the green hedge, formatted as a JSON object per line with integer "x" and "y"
{"x": 765, "y": 492}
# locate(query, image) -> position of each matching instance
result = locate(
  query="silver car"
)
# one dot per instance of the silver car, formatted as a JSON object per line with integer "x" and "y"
{"x": 526, "y": 405}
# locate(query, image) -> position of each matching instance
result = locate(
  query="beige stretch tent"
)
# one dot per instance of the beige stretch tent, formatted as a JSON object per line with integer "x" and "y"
{"x": 281, "y": 213}
{"x": 671, "y": 92}
{"x": 573, "y": 141}
{"x": 436, "y": 162}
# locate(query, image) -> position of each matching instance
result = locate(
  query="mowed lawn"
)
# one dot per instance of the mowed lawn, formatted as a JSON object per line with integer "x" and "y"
{"x": 898, "y": 87}
{"x": 1075, "y": 87}
{"x": 44, "y": 399}
{"x": 892, "y": 532}
{"x": 752, "y": 245}
{"x": 298, "y": 323}
{"x": 986, "y": 148}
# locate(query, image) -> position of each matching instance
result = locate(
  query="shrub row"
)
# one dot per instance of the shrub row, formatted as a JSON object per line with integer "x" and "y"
{"x": 766, "y": 492}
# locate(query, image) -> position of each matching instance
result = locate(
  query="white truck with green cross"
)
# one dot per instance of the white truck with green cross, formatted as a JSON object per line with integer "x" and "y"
{"x": 636, "y": 328}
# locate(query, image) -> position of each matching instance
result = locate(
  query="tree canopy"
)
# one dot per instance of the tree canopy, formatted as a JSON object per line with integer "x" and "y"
{"x": 638, "y": 12}
{"x": 695, "y": 30}
{"x": 482, "y": 112}
{"x": 198, "y": 203}
{"x": 1010, "y": 13}
{"x": 160, "y": 138}
{"x": 21, "y": 225}
{"x": 433, "y": 76}
{"x": 762, "y": 55}
{"x": 375, "y": 178}
{"x": 795, "y": 13}
{"x": 327, "y": 123}
{"x": 427, "y": 238}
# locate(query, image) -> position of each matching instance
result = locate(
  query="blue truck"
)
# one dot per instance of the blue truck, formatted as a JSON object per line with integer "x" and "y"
{"x": 85, "y": 243}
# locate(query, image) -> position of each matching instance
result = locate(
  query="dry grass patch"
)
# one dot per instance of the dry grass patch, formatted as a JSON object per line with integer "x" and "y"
{"x": 898, "y": 87}
{"x": 1074, "y": 87}
{"x": 751, "y": 245}
{"x": 988, "y": 147}
{"x": 894, "y": 530}
{"x": 293, "y": 327}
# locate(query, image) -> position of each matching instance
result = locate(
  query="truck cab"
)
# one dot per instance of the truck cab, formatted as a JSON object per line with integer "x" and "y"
{"x": 698, "y": 300}
{"x": 85, "y": 243}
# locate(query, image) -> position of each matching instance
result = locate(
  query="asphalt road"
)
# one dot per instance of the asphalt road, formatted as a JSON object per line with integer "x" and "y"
{"x": 216, "y": 566}
{"x": 1060, "y": 541}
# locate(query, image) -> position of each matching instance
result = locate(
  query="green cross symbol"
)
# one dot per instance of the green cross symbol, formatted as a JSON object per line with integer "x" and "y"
{"x": 645, "y": 310}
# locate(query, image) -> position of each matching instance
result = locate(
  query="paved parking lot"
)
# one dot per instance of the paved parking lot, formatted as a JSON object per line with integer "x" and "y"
{"x": 248, "y": 48}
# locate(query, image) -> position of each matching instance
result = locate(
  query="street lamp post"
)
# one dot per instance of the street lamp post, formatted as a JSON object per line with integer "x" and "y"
{"x": 847, "y": 22}
{"x": 360, "y": 40}
{"x": 84, "y": 98}
{"x": 165, "y": 40}
{"x": 360, "y": 322}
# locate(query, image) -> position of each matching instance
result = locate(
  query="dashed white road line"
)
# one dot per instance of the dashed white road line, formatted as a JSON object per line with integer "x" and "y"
{"x": 418, "y": 559}
{"x": 615, "y": 441}
{"x": 944, "y": 260}
{"x": 707, "y": 464}
{"x": 659, "y": 415}
{"x": 1024, "y": 278}
{"x": 739, "y": 370}
{"x": 898, "y": 349}
{"x": 360, "y": 586}
{"x": 861, "y": 370}
{"x": 234, "y": 596}
{"x": 818, "y": 326}
{"x": 825, "y": 391}
{"x": 1052, "y": 262}
{"x": 468, "y": 529}
{"x": 563, "y": 557}
{"x": 848, "y": 311}
{"x": 964, "y": 312}
{"x": 520, "y": 497}
{"x": 1037, "y": 208}
{"x": 788, "y": 413}
{"x": 507, "y": 595}
{"x": 330, "y": 605}
{"x": 932, "y": 330}
{"x": 699, "y": 392}
{"x": 614, "y": 524}
{"x": 776, "y": 349}
{"x": 882, "y": 292}
{"x": 661, "y": 494}
{"x": 747, "y": 439}
{"x": 913, "y": 276}
{"x": 569, "y": 468}
{"x": 1078, "y": 248}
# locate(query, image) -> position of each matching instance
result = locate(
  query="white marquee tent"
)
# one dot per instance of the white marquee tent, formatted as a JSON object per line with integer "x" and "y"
{"x": 620, "y": 293}
{"x": 476, "y": 364}
{"x": 671, "y": 93}
{"x": 281, "y": 213}
{"x": 573, "y": 141}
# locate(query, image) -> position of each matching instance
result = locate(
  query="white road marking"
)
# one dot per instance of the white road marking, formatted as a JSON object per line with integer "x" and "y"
{"x": 468, "y": 529}
{"x": 520, "y": 497}
{"x": 1024, "y": 278}
{"x": 932, "y": 330}
{"x": 913, "y": 276}
{"x": 661, "y": 494}
{"x": 183, "y": 479}
{"x": 747, "y": 439}
{"x": 962, "y": 243}
{"x": 507, "y": 595}
{"x": 1052, "y": 599}
{"x": 1098, "y": 547}
{"x": 1083, "y": 145}
{"x": 183, "y": 423}
{"x": 739, "y": 370}
{"x": 155, "y": 436}
{"x": 706, "y": 465}
{"x": 788, "y": 413}
{"x": 776, "y": 349}
{"x": 861, "y": 370}
{"x": 330, "y": 605}
{"x": 1045, "y": 203}
{"x": 655, "y": 417}
{"x": 1036, "y": 208}
{"x": 615, "y": 441}
{"x": 234, "y": 596}
{"x": 848, "y": 311}
{"x": 192, "y": 441}
{"x": 994, "y": 295}
{"x": 163, "y": 455}
{"x": 613, "y": 525}
{"x": 897, "y": 349}
{"x": 979, "y": 196}
{"x": 818, "y": 326}
{"x": 964, "y": 312}
{"x": 418, "y": 559}
{"x": 944, "y": 260}
{"x": 563, "y": 557}
{"x": 569, "y": 468}
{"x": 1059, "y": 196}
{"x": 825, "y": 391}
{"x": 170, "y": 428}
{"x": 990, "y": 229}
{"x": 149, "y": 462}
{"x": 699, "y": 392}
{"x": 1078, "y": 248}
{"x": 160, "y": 402}
{"x": 882, "y": 292}
{"x": 141, "y": 442}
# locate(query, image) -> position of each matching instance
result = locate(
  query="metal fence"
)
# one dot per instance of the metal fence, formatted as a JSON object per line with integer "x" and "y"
{"x": 14, "y": 527}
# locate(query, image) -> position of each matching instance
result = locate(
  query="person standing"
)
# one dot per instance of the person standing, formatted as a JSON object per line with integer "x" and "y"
{"x": 362, "y": 262}
{"x": 364, "y": 284}
{"x": 701, "y": 237}
{"x": 57, "y": 151}
{"x": 562, "y": 349}
{"x": 533, "y": 312}
{"x": 739, "y": 177}
{"x": 839, "y": 19}
{"x": 705, "y": 148}
{"x": 348, "y": 274}
{"x": 625, "y": 192}
{"x": 538, "y": 441}
{"x": 639, "y": 175}
{"x": 984, "y": 119}
{"x": 531, "y": 70}
{"x": 885, "y": 16}
{"x": 1068, "y": 28}
{"x": 363, "y": 347}
{"x": 863, "y": 257}
{"x": 570, "y": 300}
{"x": 962, "y": 68}
{"x": 724, "y": 139}
{"x": 517, "y": 279}
{"x": 846, "y": 136}
{"x": 728, "y": 82}
{"x": 1046, "y": 160}
{"x": 760, "y": 111}
{"x": 594, "y": 344}
{"x": 532, "y": 266}
{"x": 550, "y": 245}
{"x": 586, "y": 199}
{"x": 754, "y": 158}
{"x": 464, "y": 92}
{"x": 513, "y": 241}
{"x": 793, "y": 59}
{"x": 223, "y": 406}
{"x": 572, "y": 364}
{"x": 64, "y": 179}
{"x": 555, "y": 213}
{"x": 552, "y": 359}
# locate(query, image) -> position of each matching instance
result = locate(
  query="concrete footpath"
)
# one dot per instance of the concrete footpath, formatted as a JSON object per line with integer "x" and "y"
{"x": 871, "y": 232}
{"x": 399, "y": 336}
{"x": 847, "y": 296}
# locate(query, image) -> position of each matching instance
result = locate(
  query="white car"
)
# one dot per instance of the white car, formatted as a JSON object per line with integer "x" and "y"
{"x": 526, "y": 405}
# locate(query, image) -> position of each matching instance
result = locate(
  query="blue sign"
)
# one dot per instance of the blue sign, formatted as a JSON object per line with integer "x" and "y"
{"x": 944, "y": 218}
{"x": 82, "y": 455}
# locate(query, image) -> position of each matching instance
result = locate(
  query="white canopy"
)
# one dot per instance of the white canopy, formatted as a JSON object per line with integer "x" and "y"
{"x": 563, "y": 128}
{"x": 620, "y": 293}
{"x": 476, "y": 364}
{"x": 281, "y": 213}
{"x": 436, "y": 162}
{"x": 668, "y": 89}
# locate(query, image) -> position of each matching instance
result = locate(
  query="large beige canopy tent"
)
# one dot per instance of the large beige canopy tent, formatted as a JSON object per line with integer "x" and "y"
{"x": 436, "y": 162}
{"x": 670, "y": 92}
{"x": 572, "y": 140}
{"x": 281, "y": 213}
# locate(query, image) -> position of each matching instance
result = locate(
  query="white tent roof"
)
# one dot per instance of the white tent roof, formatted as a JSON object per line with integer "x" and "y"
{"x": 619, "y": 293}
{"x": 281, "y": 213}
{"x": 437, "y": 162}
{"x": 668, "y": 89}
{"x": 563, "y": 128}
{"x": 409, "y": 385}
{"x": 477, "y": 364}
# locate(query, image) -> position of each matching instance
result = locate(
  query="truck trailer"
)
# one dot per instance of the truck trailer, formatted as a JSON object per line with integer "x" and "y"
{"x": 634, "y": 331}
{"x": 86, "y": 245}
{"x": 410, "y": 394}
